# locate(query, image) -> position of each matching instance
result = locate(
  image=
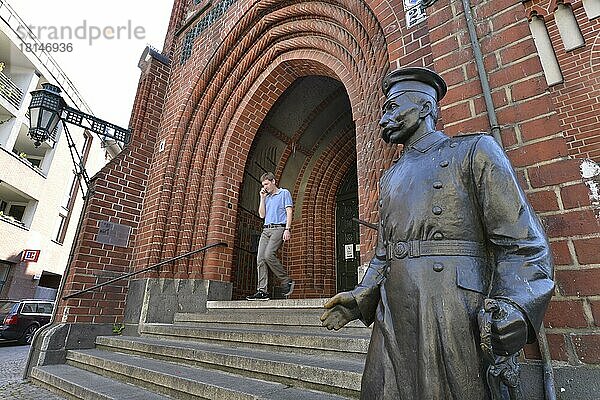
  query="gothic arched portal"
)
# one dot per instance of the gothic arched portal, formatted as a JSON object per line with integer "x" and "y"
{"x": 336, "y": 48}
{"x": 308, "y": 140}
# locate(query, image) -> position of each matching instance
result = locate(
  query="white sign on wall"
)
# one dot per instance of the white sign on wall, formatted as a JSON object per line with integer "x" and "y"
{"x": 414, "y": 13}
{"x": 349, "y": 251}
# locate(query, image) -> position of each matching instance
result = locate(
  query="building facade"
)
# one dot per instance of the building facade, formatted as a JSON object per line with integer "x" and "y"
{"x": 40, "y": 197}
{"x": 242, "y": 87}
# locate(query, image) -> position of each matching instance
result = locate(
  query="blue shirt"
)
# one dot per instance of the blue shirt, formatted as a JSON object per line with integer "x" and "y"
{"x": 275, "y": 205}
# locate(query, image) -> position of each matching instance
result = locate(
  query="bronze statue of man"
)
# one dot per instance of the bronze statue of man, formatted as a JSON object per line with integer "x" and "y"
{"x": 455, "y": 229}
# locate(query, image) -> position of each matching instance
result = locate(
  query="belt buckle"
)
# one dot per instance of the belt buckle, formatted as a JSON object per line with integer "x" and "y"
{"x": 401, "y": 250}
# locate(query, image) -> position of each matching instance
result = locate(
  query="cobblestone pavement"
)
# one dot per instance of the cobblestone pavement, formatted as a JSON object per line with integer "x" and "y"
{"x": 12, "y": 385}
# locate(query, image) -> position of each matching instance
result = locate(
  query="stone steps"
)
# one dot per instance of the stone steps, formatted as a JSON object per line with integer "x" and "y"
{"x": 274, "y": 314}
{"x": 317, "y": 342}
{"x": 77, "y": 383}
{"x": 236, "y": 350}
{"x": 277, "y": 314}
{"x": 185, "y": 382}
{"x": 331, "y": 374}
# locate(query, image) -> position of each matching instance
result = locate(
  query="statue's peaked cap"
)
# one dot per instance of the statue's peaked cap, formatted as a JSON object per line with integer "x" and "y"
{"x": 414, "y": 79}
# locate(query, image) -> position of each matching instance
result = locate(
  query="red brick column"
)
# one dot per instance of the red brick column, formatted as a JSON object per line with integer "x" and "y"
{"x": 116, "y": 195}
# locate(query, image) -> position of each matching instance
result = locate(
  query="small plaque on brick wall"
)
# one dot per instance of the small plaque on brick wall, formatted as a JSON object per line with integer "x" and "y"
{"x": 114, "y": 234}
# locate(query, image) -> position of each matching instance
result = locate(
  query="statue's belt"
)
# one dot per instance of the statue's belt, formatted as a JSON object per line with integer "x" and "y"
{"x": 420, "y": 248}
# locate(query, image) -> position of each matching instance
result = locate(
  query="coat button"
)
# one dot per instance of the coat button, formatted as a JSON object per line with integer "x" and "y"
{"x": 454, "y": 144}
{"x": 437, "y": 185}
{"x": 436, "y": 210}
{"x": 380, "y": 203}
{"x": 438, "y": 267}
{"x": 438, "y": 236}
{"x": 444, "y": 164}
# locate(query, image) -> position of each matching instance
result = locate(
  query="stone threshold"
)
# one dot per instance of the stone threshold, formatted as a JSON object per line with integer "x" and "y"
{"x": 291, "y": 303}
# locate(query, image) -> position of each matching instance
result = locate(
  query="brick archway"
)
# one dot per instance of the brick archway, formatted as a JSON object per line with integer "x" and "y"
{"x": 256, "y": 61}
{"x": 310, "y": 256}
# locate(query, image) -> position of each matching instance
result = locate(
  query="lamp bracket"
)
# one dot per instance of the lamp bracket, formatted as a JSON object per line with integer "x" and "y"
{"x": 96, "y": 125}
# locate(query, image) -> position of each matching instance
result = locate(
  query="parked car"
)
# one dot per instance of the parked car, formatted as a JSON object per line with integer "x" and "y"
{"x": 21, "y": 318}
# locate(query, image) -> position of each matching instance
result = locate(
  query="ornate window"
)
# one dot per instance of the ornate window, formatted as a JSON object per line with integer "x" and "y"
{"x": 568, "y": 27}
{"x": 545, "y": 50}
{"x": 592, "y": 8}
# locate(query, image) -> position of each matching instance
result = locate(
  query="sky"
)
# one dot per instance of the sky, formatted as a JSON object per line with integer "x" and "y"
{"x": 104, "y": 69}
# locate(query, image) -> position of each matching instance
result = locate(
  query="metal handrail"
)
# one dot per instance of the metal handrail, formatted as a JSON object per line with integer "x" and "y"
{"x": 365, "y": 223}
{"x": 10, "y": 91}
{"x": 76, "y": 294}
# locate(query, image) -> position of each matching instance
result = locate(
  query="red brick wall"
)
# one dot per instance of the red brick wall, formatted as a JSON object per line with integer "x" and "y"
{"x": 574, "y": 222}
{"x": 223, "y": 83}
{"x": 539, "y": 127}
{"x": 116, "y": 194}
{"x": 577, "y": 97}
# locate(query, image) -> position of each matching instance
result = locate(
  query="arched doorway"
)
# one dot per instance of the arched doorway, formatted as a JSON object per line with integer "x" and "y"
{"x": 198, "y": 183}
{"x": 308, "y": 140}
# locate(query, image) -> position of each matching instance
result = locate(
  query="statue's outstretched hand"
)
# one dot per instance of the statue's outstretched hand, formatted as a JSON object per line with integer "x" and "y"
{"x": 341, "y": 309}
{"x": 508, "y": 329}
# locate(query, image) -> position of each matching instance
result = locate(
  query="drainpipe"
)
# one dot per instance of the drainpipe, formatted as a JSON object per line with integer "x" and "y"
{"x": 549, "y": 388}
{"x": 485, "y": 84}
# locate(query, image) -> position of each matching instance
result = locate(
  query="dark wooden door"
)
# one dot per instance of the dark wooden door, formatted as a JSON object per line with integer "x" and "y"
{"x": 347, "y": 233}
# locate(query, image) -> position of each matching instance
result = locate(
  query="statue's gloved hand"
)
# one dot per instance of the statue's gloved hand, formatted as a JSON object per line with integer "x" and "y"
{"x": 341, "y": 309}
{"x": 508, "y": 330}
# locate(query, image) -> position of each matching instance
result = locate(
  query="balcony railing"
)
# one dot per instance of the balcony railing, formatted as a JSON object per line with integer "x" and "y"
{"x": 15, "y": 22}
{"x": 12, "y": 221}
{"x": 10, "y": 91}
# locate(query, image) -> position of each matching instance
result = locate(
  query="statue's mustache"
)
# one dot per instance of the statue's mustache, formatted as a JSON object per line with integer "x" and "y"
{"x": 387, "y": 130}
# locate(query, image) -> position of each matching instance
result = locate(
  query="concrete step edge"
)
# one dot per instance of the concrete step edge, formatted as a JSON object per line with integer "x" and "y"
{"x": 183, "y": 381}
{"x": 325, "y": 342}
{"x": 276, "y": 304}
{"x": 270, "y": 317}
{"x": 152, "y": 380}
{"x": 74, "y": 382}
{"x": 287, "y": 366}
{"x": 260, "y": 326}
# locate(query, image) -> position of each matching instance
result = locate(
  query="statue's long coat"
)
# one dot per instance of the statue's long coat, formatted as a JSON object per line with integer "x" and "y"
{"x": 425, "y": 341}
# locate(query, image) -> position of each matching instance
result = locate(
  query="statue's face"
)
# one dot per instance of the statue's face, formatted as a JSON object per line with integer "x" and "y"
{"x": 401, "y": 119}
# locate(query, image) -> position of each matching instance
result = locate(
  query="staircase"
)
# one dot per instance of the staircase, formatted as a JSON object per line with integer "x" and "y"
{"x": 236, "y": 350}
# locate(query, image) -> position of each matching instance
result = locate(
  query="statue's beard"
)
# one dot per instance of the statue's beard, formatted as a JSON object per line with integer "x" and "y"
{"x": 396, "y": 134}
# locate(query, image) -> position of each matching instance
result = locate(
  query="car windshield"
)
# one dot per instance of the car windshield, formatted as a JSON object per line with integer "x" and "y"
{"x": 7, "y": 306}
